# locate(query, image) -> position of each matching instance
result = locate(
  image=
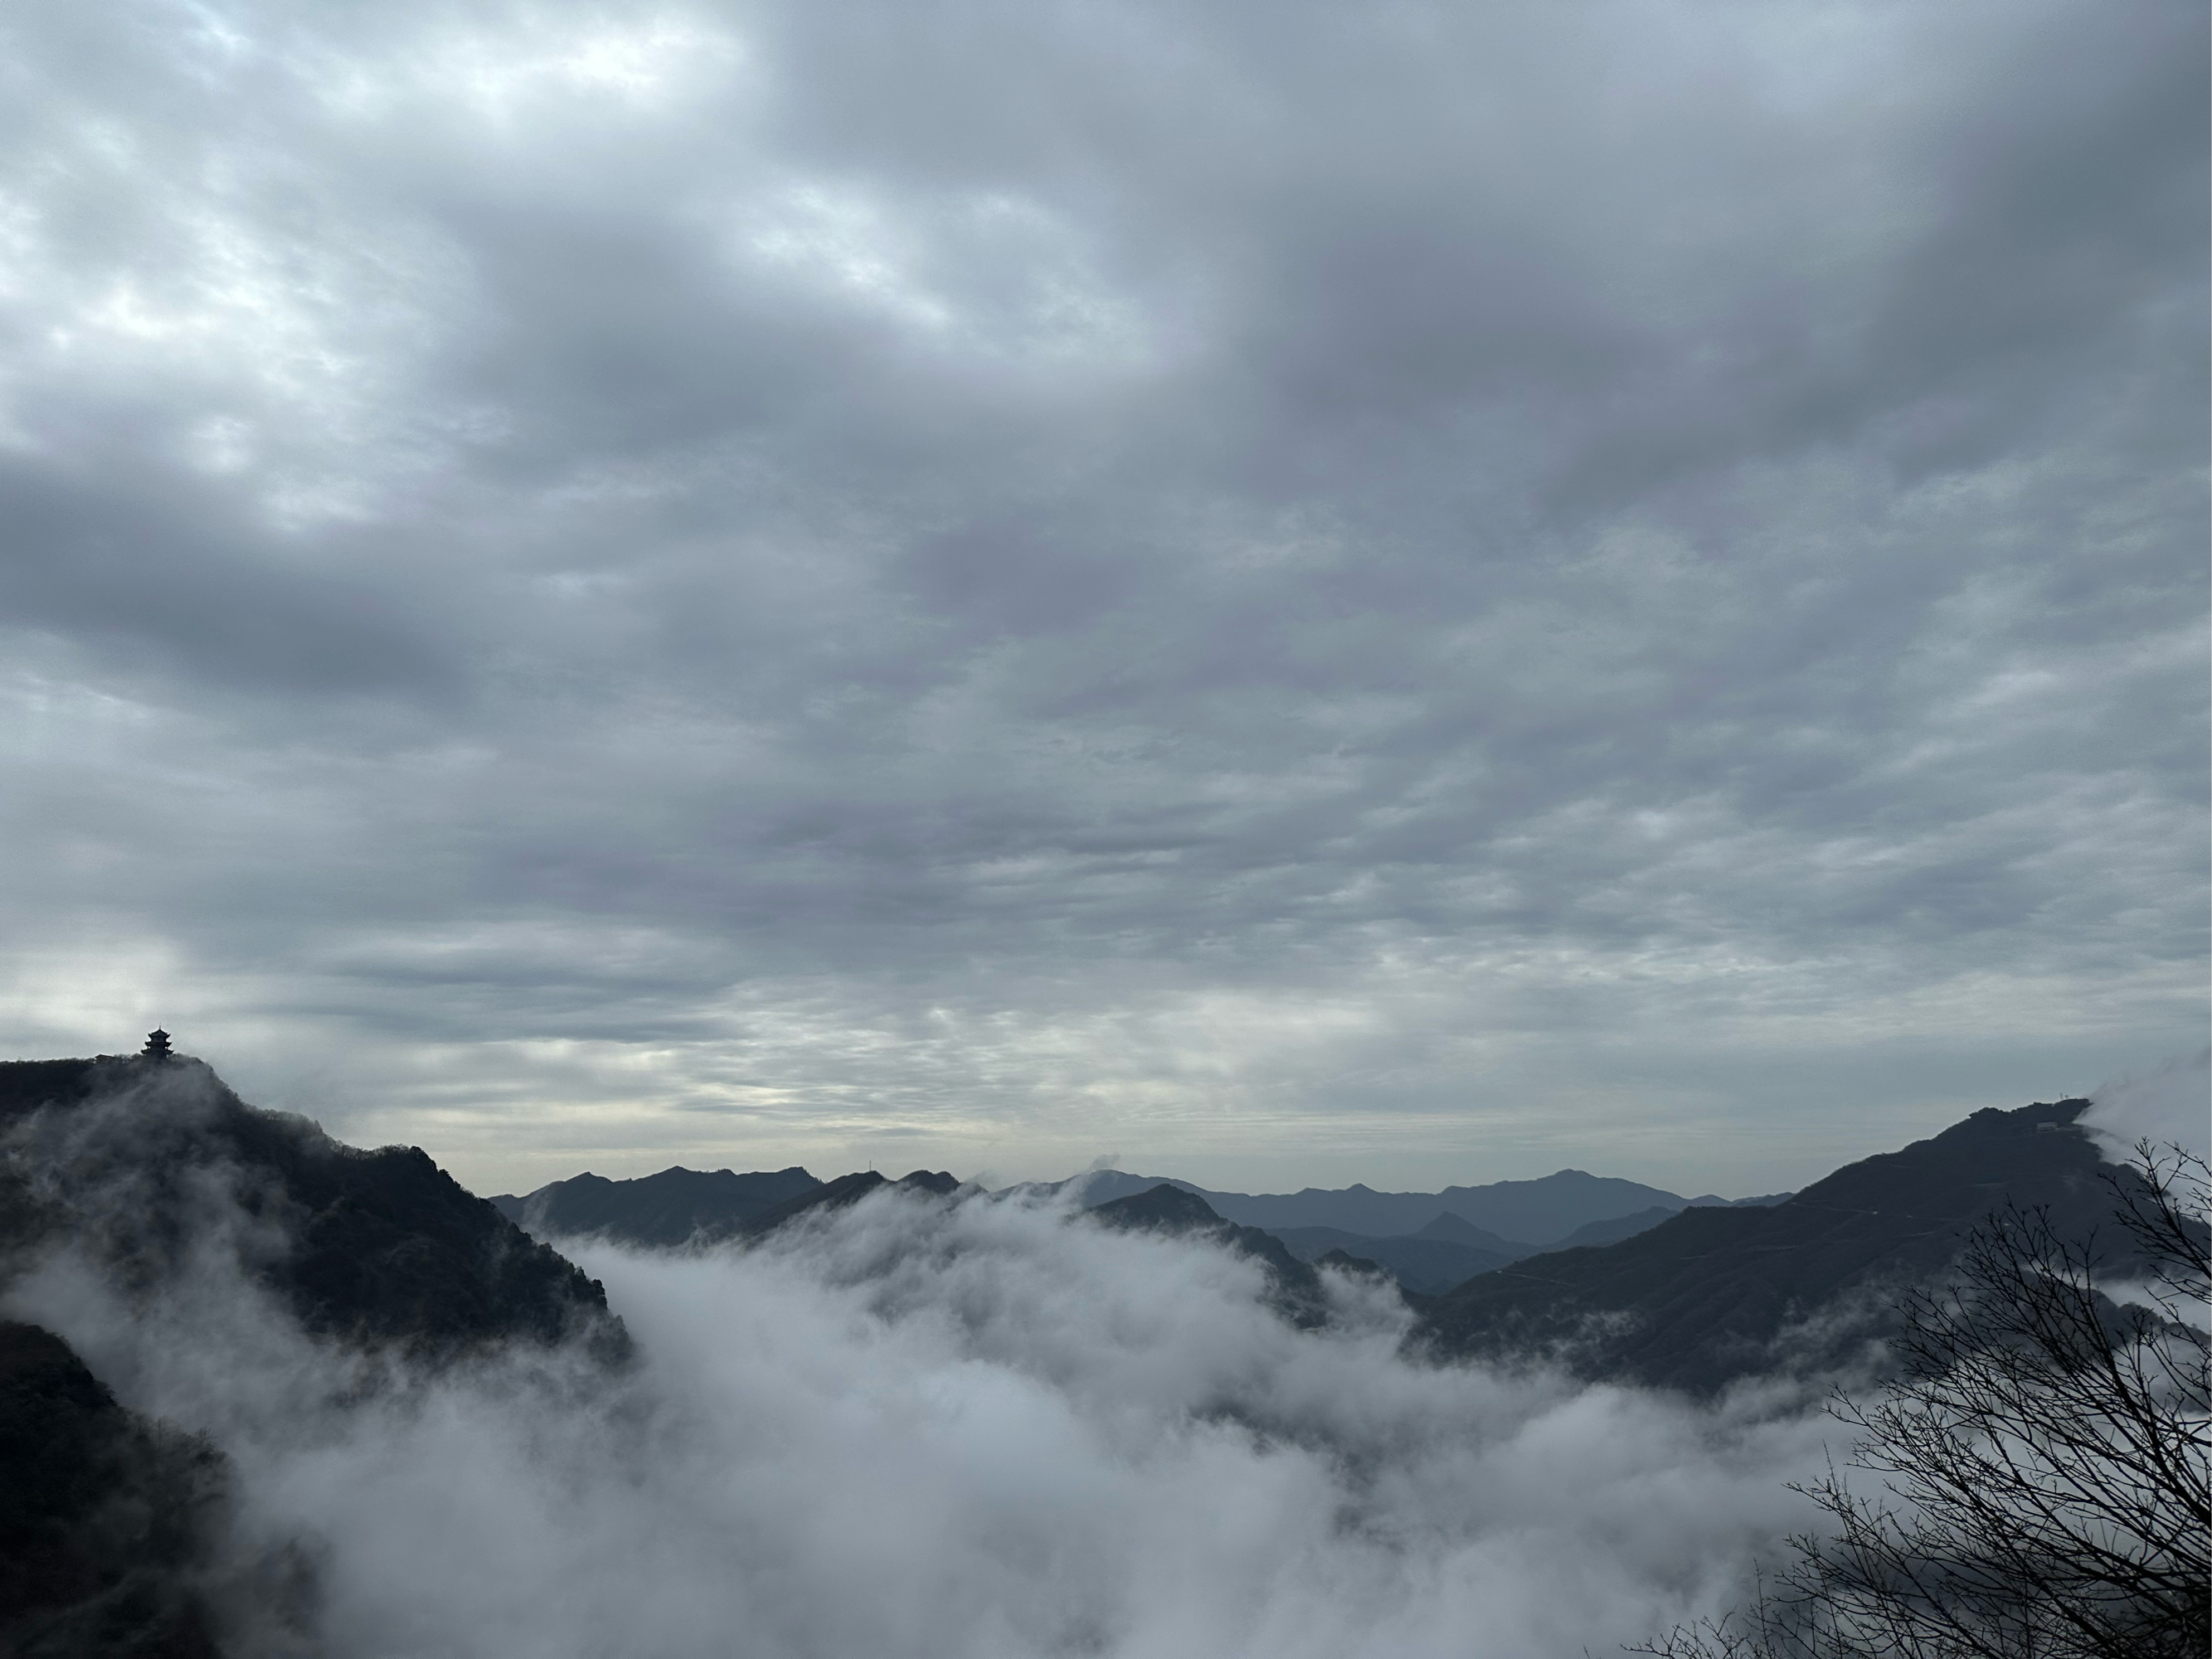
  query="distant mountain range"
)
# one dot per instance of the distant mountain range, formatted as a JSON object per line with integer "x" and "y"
{"x": 1697, "y": 1296}
{"x": 1533, "y": 1212}
{"x": 1497, "y": 1223}
{"x": 666, "y": 1209}
{"x": 681, "y": 1207}
{"x": 1451, "y": 1250}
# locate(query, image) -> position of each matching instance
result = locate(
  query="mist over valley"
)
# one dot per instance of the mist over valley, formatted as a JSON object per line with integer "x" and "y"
{"x": 356, "y": 1410}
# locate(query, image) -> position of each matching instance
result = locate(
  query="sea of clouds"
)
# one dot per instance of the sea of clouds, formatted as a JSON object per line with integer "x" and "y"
{"x": 919, "y": 1426}
{"x": 926, "y": 1428}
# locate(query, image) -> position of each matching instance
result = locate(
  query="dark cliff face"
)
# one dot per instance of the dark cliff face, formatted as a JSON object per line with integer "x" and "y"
{"x": 105, "y": 1518}
{"x": 1703, "y": 1297}
{"x": 135, "y": 1159}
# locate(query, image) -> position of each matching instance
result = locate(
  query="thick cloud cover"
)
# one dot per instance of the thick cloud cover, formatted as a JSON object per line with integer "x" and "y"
{"x": 1410, "y": 594}
{"x": 924, "y": 1430}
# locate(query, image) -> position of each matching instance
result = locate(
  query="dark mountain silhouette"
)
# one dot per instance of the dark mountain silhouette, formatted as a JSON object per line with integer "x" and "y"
{"x": 1537, "y": 1213}
{"x": 1712, "y": 1294}
{"x": 836, "y": 1194}
{"x": 1460, "y": 1230}
{"x": 1096, "y": 1186}
{"x": 845, "y": 1190}
{"x": 1166, "y": 1208}
{"x": 1421, "y": 1262}
{"x": 1451, "y": 1249}
{"x": 1625, "y": 1227}
{"x": 372, "y": 1248}
{"x": 1714, "y": 1201}
{"x": 1507, "y": 1214}
{"x": 656, "y": 1211}
{"x": 681, "y": 1206}
{"x": 103, "y": 1516}
{"x": 1294, "y": 1288}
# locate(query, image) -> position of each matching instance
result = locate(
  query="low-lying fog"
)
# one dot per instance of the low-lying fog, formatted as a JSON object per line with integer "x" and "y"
{"x": 982, "y": 1429}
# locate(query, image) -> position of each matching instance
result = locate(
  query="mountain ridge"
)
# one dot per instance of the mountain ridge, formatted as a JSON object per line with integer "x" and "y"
{"x": 108, "y": 1519}
{"x": 666, "y": 1209}
{"x": 1712, "y": 1294}
{"x": 1294, "y": 1288}
{"x": 1532, "y": 1214}
{"x": 679, "y": 1206}
{"x": 378, "y": 1247}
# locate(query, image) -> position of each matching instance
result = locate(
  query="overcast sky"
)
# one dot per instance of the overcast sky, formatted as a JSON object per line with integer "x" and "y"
{"x": 1285, "y": 592}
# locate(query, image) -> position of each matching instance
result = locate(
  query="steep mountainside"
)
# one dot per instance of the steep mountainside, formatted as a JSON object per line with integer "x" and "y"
{"x": 1451, "y": 1249}
{"x": 1707, "y": 1295}
{"x": 1421, "y": 1262}
{"x": 103, "y": 1516}
{"x": 134, "y": 1157}
{"x": 1622, "y": 1226}
{"x": 656, "y": 1211}
{"x": 106, "y": 1519}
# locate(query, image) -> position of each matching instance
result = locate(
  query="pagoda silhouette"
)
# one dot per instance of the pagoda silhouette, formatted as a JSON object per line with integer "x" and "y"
{"x": 157, "y": 1046}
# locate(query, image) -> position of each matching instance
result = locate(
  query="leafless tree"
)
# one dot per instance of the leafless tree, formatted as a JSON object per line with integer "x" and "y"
{"x": 2042, "y": 1454}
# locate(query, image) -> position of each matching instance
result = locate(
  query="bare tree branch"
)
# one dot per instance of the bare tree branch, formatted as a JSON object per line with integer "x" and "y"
{"x": 2042, "y": 1456}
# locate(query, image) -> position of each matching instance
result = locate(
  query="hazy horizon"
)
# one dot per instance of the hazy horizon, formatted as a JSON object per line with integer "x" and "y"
{"x": 2163, "y": 1104}
{"x": 1290, "y": 596}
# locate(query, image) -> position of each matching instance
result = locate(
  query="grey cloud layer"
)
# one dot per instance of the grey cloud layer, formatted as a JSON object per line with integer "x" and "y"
{"x": 1037, "y": 578}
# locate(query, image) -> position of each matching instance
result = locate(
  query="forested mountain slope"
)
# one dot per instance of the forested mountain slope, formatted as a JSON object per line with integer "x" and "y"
{"x": 128, "y": 1157}
{"x": 107, "y": 1519}
{"x": 1712, "y": 1294}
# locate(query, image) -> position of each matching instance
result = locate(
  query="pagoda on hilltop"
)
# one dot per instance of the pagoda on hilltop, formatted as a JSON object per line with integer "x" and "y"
{"x": 157, "y": 1046}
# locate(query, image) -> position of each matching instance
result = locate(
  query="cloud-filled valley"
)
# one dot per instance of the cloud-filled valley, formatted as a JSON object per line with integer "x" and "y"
{"x": 266, "y": 1394}
{"x": 917, "y": 1427}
